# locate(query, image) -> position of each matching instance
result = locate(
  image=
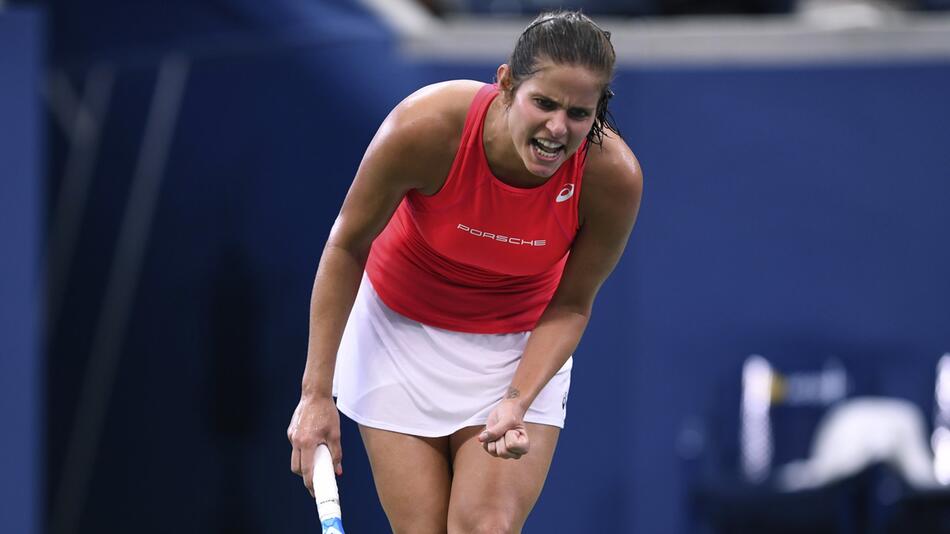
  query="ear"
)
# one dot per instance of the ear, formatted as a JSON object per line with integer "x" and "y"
{"x": 503, "y": 77}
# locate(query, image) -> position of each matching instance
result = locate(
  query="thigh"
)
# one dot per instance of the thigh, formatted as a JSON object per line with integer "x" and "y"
{"x": 491, "y": 494}
{"x": 413, "y": 479}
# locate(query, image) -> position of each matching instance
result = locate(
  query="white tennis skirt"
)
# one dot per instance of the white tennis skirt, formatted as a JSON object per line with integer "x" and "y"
{"x": 397, "y": 374}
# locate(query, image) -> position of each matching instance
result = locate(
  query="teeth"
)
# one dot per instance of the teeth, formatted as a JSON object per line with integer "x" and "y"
{"x": 548, "y": 144}
{"x": 544, "y": 153}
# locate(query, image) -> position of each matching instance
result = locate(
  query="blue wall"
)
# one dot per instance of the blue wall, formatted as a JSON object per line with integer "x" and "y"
{"x": 797, "y": 213}
{"x": 791, "y": 211}
{"x": 21, "y": 365}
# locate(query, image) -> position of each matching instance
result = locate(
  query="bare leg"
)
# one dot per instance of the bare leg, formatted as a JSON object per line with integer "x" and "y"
{"x": 413, "y": 479}
{"x": 494, "y": 495}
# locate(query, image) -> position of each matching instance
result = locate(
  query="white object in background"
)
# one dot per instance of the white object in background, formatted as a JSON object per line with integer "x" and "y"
{"x": 763, "y": 387}
{"x": 755, "y": 432}
{"x": 858, "y": 433}
{"x": 940, "y": 440}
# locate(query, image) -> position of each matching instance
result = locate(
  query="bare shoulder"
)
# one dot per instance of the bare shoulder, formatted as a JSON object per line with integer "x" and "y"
{"x": 422, "y": 133}
{"x": 613, "y": 179}
{"x": 443, "y": 104}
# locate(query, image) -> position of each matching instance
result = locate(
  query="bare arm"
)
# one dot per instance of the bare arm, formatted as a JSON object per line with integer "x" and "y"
{"x": 378, "y": 188}
{"x": 609, "y": 207}
{"x": 412, "y": 150}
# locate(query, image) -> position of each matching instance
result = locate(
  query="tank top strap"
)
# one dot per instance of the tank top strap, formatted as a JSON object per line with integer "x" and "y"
{"x": 475, "y": 119}
{"x": 470, "y": 157}
{"x": 469, "y": 163}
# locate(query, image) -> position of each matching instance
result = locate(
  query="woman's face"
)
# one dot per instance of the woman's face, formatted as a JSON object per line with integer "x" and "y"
{"x": 551, "y": 113}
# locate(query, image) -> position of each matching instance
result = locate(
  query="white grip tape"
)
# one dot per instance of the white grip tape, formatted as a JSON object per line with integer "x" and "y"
{"x": 324, "y": 484}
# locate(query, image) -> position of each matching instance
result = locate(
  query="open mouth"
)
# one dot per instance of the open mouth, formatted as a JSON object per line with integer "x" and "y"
{"x": 546, "y": 150}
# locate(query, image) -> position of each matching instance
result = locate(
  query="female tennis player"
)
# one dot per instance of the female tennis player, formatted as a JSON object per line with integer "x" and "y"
{"x": 458, "y": 280}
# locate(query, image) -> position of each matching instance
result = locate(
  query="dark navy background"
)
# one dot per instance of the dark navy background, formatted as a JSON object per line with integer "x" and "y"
{"x": 796, "y": 211}
{"x": 21, "y": 234}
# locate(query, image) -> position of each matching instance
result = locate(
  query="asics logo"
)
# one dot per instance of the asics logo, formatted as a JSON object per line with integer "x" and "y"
{"x": 566, "y": 192}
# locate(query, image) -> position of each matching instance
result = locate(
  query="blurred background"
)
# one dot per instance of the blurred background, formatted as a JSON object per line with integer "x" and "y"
{"x": 169, "y": 171}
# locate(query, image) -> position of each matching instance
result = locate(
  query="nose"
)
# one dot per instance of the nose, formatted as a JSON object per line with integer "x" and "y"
{"x": 557, "y": 124}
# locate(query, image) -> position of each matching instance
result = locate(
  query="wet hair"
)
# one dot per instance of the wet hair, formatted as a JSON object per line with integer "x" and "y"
{"x": 568, "y": 38}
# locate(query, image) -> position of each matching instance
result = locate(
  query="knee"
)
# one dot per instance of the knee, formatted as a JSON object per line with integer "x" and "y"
{"x": 497, "y": 525}
{"x": 485, "y": 523}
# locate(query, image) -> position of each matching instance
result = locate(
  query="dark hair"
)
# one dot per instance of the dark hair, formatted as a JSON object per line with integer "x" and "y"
{"x": 568, "y": 38}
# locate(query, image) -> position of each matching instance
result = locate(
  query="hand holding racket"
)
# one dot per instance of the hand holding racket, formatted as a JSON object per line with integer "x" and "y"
{"x": 325, "y": 492}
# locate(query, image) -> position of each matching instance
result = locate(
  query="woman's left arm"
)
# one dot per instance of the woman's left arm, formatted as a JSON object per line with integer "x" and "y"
{"x": 610, "y": 201}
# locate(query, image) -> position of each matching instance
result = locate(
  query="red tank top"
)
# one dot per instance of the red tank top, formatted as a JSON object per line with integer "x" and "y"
{"x": 480, "y": 255}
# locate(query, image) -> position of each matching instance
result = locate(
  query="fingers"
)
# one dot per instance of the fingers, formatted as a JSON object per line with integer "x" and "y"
{"x": 295, "y": 461}
{"x": 336, "y": 453}
{"x": 488, "y": 435}
{"x": 302, "y": 462}
{"x": 513, "y": 444}
{"x": 516, "y": 442}
{"x": 306, "y": 467}
{"x": 502, "y": 448}
{"x": 315, "y": 421}
{"x": 294, "y": 423}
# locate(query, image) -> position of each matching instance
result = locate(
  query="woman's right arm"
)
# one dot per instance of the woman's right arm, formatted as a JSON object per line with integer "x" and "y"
{"x": 411, "y": 150}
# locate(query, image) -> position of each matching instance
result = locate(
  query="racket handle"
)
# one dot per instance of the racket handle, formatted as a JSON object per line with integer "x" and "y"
{"x": 325, "y": 491}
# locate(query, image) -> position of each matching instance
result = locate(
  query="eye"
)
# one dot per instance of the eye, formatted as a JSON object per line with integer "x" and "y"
{"x": 579, "y": 114}
{"x": 544, "y": 103}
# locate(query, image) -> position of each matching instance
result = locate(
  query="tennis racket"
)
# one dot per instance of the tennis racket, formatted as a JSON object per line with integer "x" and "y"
{"x": 326, "y": 492}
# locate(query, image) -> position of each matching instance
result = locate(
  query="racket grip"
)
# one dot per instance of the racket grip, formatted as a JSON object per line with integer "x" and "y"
{"x": 325, "y": 491}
